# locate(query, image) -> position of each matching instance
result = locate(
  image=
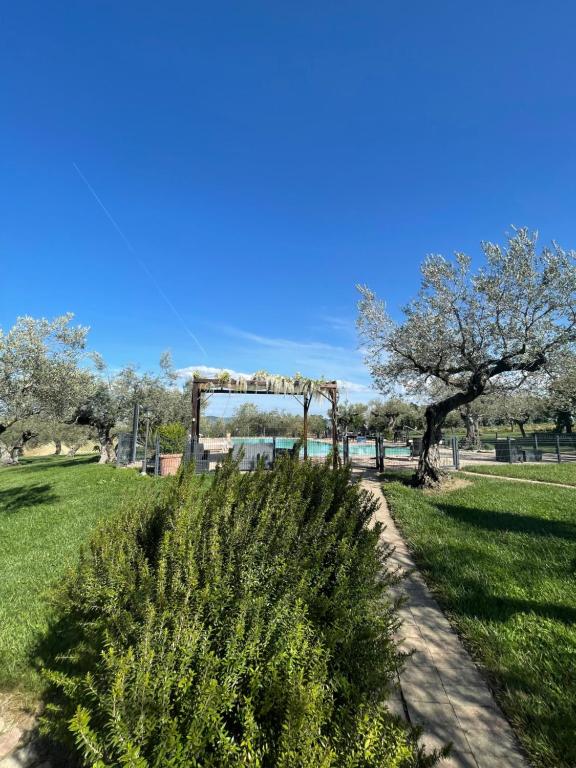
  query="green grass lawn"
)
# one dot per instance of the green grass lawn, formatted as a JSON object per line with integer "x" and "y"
{"x": 48, "y": 508}
{"x": 501, "y": 559}
{"x": 550, "y": 473}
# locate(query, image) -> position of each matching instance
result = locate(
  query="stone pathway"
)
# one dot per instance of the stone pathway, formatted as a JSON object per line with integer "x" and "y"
{"x": 441, "y": 688}
{"x": 20, "y": 745}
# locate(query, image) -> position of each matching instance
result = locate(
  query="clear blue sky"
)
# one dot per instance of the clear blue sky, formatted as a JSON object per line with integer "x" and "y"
{"x": 261, "y": 158}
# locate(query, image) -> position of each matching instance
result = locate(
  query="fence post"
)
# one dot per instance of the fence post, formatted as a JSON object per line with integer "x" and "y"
{"x": 273, "y": 448}
{"x": 377, "y": 447}
{"x": 535, "y": 442}
{"x": 509, "y": 450}
{"x": 558, "y": 449}
{"x": 135, "y": 419}
{"x": 157, "y": 456}
{"x": 455, "y": 453}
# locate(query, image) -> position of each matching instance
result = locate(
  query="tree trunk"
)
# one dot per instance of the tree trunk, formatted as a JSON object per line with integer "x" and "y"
{"x": 521, "y": 425}
{"x": 472, "y": 439}
{"x": 57, "y": 447}
{"x": 430, "y": 473}
{"x": 18, "y": 448}
{"x": 72, "y": 451}
{"x": 107, "y": 452}
{"x": 4, "y": 455}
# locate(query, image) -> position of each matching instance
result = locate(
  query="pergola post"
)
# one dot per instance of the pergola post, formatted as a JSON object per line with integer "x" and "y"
{"x": 307, "y": 399}
{"x": 195, "y": 411}
{"x": 334, "y": 417}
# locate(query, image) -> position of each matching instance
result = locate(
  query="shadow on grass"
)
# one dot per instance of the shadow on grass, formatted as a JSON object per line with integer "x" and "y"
{"x": 53, "y": 652}
{"x": 36, "y": 464}
{"x": 13, "y": 500}
{"x": 404, "y": 476}
{"x": 475, "y": 601}
{"x": 508, "y": 522}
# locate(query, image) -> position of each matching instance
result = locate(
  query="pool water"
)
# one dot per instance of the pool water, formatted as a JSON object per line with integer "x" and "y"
{"x": 316, "y": 448}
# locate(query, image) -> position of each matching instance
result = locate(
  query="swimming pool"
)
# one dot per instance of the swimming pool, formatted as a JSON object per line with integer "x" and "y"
{"x": 316, "y": 448}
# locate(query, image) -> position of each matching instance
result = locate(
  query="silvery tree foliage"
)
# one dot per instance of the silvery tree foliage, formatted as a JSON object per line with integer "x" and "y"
{"x": 108, "y": 403}
{"x": 39, "y": 369}
{"x": 562, "y": 393}
{"x": 470, "y": 331}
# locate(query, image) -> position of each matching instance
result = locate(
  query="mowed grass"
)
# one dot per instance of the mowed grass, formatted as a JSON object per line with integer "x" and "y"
{"x": 501, "y": 558}
{"x": 549, "y": 473}
{"x": 48, "y": 509}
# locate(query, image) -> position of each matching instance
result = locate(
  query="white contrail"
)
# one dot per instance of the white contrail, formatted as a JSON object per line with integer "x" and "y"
{"x": 144, "y": 266}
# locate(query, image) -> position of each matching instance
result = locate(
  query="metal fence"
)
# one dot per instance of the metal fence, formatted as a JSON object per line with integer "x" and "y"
{"x": 371, "y": 453}
{"x": 540, "y": 446}
{"x": 381, "y": 454}
{"x": 126, "y": 455}
{"x": 208, "y": 453}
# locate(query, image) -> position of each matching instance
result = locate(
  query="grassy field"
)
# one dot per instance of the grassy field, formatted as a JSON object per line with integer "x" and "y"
{"x": 502, "y": 561}
{"x": 48, "y": 508}
{"x": 549, "y": 473}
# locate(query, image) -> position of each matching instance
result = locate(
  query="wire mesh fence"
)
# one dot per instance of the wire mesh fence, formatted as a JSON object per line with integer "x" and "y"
{"x": 207, "y": 453}
{"x": 365, "y": 452}
{"x": 541, "y": 446}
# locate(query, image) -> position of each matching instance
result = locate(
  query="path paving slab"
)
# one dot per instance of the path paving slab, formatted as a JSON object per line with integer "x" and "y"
{"x": 443, "y": 689}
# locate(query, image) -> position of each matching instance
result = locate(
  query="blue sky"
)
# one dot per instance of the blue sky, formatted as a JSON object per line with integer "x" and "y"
{"x": 261, "y": 158}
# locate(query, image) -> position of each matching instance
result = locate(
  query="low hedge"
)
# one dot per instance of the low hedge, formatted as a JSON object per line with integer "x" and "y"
{"x": 242, "y": 621}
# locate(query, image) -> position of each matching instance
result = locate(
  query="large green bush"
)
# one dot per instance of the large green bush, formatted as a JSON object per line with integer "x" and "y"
{"x": 239, "y": 622}
{"x": 172, "y": 437}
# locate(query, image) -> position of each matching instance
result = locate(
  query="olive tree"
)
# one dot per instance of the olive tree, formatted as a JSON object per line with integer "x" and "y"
{"x": 472, "y": 330}
{"x": 562, "y": 392}
{"x": 109, "y": 401}
{"x": 100, "y": 411}
{"x": 24, "y": 433}
{"x": 352, "y": 417}
{"x": 40, "y": 375}
{"x": 518, "y": 408}
{"x": 392, "y": 415}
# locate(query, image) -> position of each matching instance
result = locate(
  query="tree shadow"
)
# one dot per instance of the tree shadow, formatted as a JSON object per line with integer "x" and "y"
{"x": 508, "y": 522}
{"x": 13, "y": 500}
{"x": 37, "y": 464}
{"x": 403, "y": 476}
{"x": 479, "y": 603}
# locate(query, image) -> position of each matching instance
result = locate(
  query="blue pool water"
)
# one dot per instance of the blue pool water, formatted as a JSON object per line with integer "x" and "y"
{"x": 316, "y": 448}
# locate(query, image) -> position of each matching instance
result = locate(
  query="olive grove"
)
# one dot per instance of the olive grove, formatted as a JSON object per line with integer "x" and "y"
{"x": 473, "y": 331}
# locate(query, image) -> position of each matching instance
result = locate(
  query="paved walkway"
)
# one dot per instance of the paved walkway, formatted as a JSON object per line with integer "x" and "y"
{"x": 441, "y": 688}
{"x": 20, "y": 746}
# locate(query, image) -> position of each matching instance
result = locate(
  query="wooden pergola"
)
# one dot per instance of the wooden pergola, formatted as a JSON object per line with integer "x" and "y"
{"x": 304, "y": 390}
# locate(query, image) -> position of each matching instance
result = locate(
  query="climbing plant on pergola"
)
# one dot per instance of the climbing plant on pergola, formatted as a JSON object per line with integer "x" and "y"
{"x": 305, "y": 390}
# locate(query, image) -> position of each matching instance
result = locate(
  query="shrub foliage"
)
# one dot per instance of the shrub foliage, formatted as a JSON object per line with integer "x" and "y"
{"x": 172, "y": 437}
{"x": 239, "y": 622}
